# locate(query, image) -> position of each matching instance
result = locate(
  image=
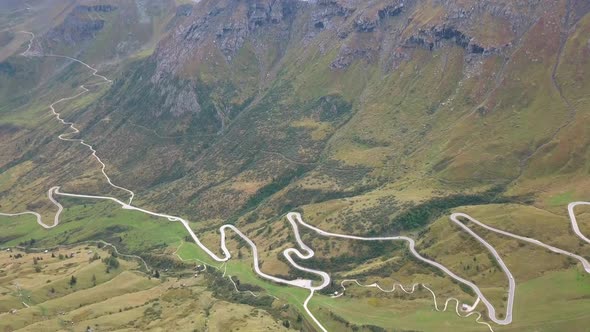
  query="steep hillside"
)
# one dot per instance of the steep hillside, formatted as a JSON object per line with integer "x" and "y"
{"x": 85, "y": 287}
{"x": 355, "y": 96}
{"x": 370, "y": 117}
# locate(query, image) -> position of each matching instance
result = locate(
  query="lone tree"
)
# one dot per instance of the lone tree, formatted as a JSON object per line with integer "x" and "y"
{"x": 73, "y": 281}
{"x": 157, "y": 274}
{"x": 94, "y": 257}
{"x": 111, "y": 262}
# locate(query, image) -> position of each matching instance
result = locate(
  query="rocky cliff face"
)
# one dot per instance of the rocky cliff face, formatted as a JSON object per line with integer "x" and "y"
{"x": 209, "y": 35}
{"x": 79, "y": 25}
{"x": 220, "y": 26}
{"x": 362, "y": 30}
{"x": 232, "y": 49}
{"x": 104, "y": 29}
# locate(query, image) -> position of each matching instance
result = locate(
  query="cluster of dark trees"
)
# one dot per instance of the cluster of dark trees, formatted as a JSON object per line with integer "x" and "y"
{"x": 422, "y": 214}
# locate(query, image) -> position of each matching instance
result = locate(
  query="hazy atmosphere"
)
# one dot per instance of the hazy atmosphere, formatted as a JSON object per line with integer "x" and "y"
{"x": 289, "y": 165}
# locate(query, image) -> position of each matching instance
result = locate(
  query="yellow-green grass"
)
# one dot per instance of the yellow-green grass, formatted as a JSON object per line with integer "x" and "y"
{"x": 93, "y": 221}
{"x": 391, "y": 312}
{"x": 561, "y": 199}
{"x": 120, "y": 299}
{"x": 221, "y": 311}
{"x": 156, "y": 229}
{"x": 380, "y": 315}
{"x": 448, "y": 244}
{"x": 364, "y": 310}
{"x": 553, "y": 228}
{"x": 557, "y": 301}
{"x": 30, "y": 107}
{"x": 545, "y": 285}
{"x": 11, "y": 176}
{"x": 48, "y": 290}
{"x": 242, "y": 269}
{"x": 529, "y": 264}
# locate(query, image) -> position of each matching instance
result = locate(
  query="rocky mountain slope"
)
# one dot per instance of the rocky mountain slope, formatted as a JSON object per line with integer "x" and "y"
{"x": 442, "y": 95}
{"x": 370, "y": 117}
{"x": 329, "y": 99}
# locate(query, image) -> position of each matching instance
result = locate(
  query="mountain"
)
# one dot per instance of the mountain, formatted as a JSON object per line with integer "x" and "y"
{"x": 370, "y": 117}
{"x": 360, "y": 95}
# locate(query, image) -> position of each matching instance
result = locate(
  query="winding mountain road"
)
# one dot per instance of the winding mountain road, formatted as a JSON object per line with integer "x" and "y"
{"x": 60, "y": 208}
{"x": 469, "y": 310}
{"x": 71, "y": 125}
{"x": 304, "y": 252}
{"x": 570, "y": 209}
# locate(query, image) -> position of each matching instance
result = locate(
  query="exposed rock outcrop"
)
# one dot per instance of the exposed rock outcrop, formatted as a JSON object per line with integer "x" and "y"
{"x": 380, "y": 31}
{"x": 225, "y": 26}
{"x": 95, "y": 8}
{"x": 348, "y": 55}
{"x": 78, "y": 26}
{"x": 180, "y": 101}
{"x": 184, "y": 10}
{"x": 327, "y": 10}
{"x": 437, "y": 36}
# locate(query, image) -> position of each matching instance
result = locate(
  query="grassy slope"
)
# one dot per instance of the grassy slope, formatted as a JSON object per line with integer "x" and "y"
{"x": 83, "y": 222}
{"x": 122, "y": 298}
{"x": 395, "y": 113}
